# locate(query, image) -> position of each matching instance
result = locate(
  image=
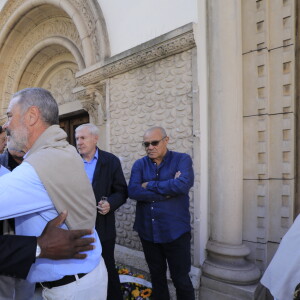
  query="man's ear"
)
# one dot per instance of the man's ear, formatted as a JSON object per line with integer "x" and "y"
{"x": 33, "y": 115}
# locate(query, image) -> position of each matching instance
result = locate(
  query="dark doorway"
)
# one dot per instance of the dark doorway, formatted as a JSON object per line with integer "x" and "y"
{"x": 70, "y": 122}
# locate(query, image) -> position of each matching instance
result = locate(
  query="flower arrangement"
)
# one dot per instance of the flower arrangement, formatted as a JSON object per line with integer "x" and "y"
{"x": 134, "y": 286}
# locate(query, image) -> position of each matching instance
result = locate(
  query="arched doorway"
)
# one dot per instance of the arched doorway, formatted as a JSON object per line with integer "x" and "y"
{"x": 44, "y": 44}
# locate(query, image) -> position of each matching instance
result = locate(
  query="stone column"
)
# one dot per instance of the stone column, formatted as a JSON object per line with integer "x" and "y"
{"x": 225, "y": 252}
{"x": 93, "y": 100}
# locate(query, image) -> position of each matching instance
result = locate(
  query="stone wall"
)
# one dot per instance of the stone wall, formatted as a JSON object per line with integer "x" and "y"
{"x": 269, "y": 124}
{"x": 152, "y": 84}
{"x": 156, "y": 94}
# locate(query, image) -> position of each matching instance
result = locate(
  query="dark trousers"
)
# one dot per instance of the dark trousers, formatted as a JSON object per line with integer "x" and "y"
{"x": 114, "y": 286}
{"x": 178, "y": 255}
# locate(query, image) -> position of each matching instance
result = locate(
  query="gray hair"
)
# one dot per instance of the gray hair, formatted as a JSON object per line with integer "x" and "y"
{"x": 93, "y": 129}
{"x": 161, "y": 129}
{"x": 43, "y": 100}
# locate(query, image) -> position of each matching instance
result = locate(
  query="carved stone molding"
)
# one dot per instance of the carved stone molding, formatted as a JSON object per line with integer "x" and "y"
{"x": 61, "y": 85}
{"x": 89, "y": 11}
{"x": 154, "y": 53}
{"x": 44, "y": 29}
{"x": 93, "y": 100}
{"x": 64, "y": 28}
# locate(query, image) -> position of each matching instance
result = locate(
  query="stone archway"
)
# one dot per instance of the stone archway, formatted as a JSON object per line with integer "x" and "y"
{"x": 45, "y": 42}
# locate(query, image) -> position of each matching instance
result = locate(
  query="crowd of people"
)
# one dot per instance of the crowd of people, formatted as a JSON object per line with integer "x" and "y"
{"x": 60, "y": 203}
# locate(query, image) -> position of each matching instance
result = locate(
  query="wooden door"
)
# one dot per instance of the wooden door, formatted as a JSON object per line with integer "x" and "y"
{"x": 69, "y": 124}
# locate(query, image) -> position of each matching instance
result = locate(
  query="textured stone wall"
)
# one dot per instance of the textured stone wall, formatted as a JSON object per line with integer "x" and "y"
{"x": 159, "y": 93}
{"x": 269, "y": 124}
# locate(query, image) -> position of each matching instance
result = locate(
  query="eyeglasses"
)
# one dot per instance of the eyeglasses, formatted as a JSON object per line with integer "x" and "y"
{"x": 153, "y": 143}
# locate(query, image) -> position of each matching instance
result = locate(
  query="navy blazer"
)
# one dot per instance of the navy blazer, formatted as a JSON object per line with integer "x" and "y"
{"x": 109, "y": 181}
{"x": 17, "y": 254}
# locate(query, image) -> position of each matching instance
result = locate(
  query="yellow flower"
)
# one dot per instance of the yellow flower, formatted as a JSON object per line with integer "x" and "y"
{"x": 146, "y": 293}
{"x": 140, "y": 276}
{"x": 123, "y": 271}
{"x": 135, "y": 293}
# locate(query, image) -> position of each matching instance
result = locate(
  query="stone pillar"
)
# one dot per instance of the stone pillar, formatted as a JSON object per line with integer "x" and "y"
{"x": 226, "y": 255}
{"x": 93, "y": 100}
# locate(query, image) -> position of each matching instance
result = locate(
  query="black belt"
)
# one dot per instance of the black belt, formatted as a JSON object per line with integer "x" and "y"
{"x": 65, "y": 280}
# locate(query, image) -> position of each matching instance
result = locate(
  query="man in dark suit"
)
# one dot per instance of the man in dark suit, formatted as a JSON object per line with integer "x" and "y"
{"x": 105, "y": 173}
{"x": 18, "y": 253}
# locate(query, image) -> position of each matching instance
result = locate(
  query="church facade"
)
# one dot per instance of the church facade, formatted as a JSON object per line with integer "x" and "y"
{"x": 222, "y": 81}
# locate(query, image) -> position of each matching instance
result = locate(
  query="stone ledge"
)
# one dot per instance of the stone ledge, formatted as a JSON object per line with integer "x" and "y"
{"x": 211, "y": 289}
{"x": 171, "y": 43}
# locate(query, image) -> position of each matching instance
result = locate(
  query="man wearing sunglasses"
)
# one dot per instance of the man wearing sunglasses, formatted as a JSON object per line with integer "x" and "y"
{"x": 160, "y": 183}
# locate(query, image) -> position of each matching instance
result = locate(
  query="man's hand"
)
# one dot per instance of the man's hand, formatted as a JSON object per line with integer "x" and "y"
{"x": 103, "y": 207}
{"x": 177, "y": 174}
{"x": 144, "y": 185}
{"x": 57, "y": 243}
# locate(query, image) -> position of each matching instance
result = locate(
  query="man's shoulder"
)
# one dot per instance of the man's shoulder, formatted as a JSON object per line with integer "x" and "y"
{"x": 140, "y": 162}
{"x": 142, "y": 159}
{"x": 25, "y": 167}
{"x": 107, "y": 155}
{"x": 175, "y": 154}
{"x": 25, "y": 172}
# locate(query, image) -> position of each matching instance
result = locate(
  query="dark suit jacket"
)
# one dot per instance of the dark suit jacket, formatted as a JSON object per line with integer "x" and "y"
{"x": 109, "y": 181}
{"x": 17, "y": 254}
{"x": 4, "y": 159}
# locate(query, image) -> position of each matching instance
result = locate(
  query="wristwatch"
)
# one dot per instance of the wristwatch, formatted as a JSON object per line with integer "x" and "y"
{"x": 38, "y": 251}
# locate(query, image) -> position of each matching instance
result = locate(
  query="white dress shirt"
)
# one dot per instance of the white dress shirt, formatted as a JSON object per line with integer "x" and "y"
{"x": 24, "y": 197}
{"x": 283, "y": 272}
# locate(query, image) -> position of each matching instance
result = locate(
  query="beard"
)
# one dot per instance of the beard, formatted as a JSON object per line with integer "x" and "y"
{"x": 17, "y": 139}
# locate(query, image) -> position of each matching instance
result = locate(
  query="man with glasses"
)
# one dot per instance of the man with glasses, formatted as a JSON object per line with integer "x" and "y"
{"x": 160, "y": 183}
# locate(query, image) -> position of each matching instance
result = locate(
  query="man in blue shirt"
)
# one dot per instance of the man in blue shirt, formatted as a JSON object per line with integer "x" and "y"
{"x": 160, "y": 183}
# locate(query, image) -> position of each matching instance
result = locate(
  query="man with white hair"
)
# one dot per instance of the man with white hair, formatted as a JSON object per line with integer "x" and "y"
{"x": 105, "y": 173}
{"x": 43, "y": 186}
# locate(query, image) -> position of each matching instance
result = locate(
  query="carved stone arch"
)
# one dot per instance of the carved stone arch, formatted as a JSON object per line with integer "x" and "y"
{"x": 38, "y": 47}
{"x": 43, "y": 39}
{"x": 65, "y": 59}
{"x": 35, "y": 34}
{"x": 87, "y": 16}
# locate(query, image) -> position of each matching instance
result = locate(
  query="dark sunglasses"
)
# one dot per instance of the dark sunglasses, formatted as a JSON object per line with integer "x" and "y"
{"x": 153, "y": 143}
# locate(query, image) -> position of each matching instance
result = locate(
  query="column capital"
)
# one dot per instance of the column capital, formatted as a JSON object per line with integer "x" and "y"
{"x": 93, "y": 100}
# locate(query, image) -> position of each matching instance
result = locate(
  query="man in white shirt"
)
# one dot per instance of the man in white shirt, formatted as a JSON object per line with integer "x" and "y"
{"x": 50, "y": 180}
